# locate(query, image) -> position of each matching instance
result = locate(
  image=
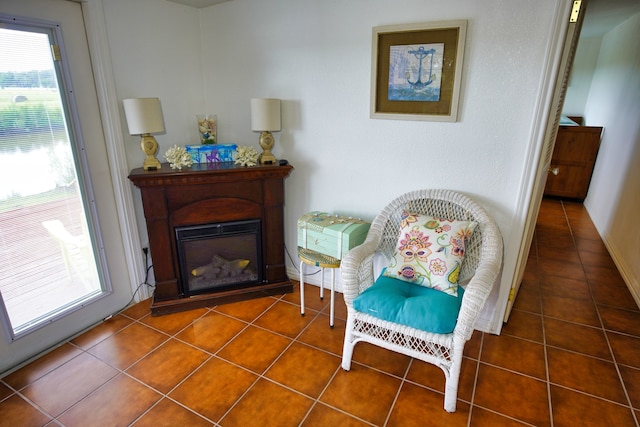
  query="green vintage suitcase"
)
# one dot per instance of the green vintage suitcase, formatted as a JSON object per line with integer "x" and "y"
{"x": 331, "y": 235}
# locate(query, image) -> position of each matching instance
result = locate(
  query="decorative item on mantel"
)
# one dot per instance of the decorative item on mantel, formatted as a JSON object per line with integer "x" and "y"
{"x": 144, "y": 117}
{"x": 178, "y": 157}
{"x": 265, "y": 118}
{"x": 208, "y": 128}
{"x": 210, "y": 154}
{"x": 246, "y": 156}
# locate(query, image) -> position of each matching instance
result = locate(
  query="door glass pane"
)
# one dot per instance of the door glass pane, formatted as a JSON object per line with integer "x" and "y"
{"x": 47, "y": 257}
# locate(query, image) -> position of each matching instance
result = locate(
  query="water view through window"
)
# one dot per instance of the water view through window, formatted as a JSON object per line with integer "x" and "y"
{"x": 47, "y": 254}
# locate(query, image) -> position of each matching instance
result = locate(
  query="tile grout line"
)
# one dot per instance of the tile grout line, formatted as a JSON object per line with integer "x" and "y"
{"x": 258, "y": 376}
{"x": 475, "y": 380}
{"x": 615, "y": 361}
{"x": 602, "y": 327}
{"x": 261, "y": 375}
{"x": 319, "y": 314}
{"x": 33, "y": 404}
{"x": 395, "y": 398}
{"x": 41, "y": 409}
{"x": 166, "y": 395}
{"x": 215, "y": 355}
{"x": 86, "y": 396}
{"x": 124, "y": 371}
{"x": 315, "y": 401}
{"x": 544, "y": 333}
{"x": 119, "y": 370}
{"x": 170, "y": 336}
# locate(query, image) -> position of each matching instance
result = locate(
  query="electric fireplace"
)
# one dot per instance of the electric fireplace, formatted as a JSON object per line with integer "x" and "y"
{"x": 216, "y": 233}
{"x": 219, "y": 256}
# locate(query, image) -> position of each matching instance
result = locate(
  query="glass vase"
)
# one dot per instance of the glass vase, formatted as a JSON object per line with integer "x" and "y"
{"x": 208, "y": 128}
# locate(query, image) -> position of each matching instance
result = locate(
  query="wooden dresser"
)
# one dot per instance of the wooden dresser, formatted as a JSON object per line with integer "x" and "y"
{"x": 572, "y": 162}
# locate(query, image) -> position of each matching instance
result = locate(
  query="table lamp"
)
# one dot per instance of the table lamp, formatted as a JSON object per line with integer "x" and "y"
{"x": 265, "y": 118}
{"x": 144, "y": 117}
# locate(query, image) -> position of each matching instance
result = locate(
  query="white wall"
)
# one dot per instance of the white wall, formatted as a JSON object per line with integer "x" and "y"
{"x": 584, "y": 65}
{"x": 155, "y": 50}
{"x": 316, "y": 57}
{"x": 119, "y": 270}
{"x": 614, "y": 103}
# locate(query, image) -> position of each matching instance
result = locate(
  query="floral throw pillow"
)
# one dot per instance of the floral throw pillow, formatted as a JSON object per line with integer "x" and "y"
{"x": 430, "y": 251}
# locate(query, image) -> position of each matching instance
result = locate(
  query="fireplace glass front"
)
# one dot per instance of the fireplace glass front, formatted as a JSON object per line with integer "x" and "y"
{"x": 219, "y": 257}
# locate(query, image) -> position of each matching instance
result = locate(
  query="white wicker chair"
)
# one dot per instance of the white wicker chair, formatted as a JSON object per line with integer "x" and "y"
{"x": 481, "y": 266}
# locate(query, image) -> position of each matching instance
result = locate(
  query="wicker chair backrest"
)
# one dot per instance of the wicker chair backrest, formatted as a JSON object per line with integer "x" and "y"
{"x": 438, "y": 204}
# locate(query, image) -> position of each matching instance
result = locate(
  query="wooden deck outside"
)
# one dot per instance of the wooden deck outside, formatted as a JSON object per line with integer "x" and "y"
{"x": 34, "y": 279}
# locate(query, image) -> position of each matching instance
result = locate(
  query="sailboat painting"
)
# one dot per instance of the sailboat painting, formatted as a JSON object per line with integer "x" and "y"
{"x": 415, "y": 72}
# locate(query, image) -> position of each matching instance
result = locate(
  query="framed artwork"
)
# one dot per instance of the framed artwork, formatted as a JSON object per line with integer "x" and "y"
{"x": 416, "y": 70}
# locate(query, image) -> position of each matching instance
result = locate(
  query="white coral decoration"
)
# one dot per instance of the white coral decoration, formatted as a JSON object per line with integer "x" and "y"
{"x": 178, "y": 157}
{"x": 246, "y": 156}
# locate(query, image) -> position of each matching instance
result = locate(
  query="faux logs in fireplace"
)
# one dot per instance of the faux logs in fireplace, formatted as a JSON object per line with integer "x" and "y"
{"x": 219, "y": 256}
{"x": 213, "y": 199}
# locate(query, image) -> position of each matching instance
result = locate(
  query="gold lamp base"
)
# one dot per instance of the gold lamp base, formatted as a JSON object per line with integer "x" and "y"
{"x": 266, "y": 142}
{"x": 149, "y": 146}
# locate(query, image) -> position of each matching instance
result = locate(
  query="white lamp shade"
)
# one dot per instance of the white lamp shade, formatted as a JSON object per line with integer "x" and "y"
{"x": 265, "y": 114}
{"x": 144, "y": 115}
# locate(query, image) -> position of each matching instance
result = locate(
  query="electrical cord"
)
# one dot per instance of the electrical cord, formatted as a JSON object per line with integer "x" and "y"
{"x": 295, "y": 265}
{"x": 146, "y": 282}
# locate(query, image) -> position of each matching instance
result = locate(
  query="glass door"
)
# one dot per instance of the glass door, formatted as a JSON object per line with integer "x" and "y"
{"x": 48, "y": 263}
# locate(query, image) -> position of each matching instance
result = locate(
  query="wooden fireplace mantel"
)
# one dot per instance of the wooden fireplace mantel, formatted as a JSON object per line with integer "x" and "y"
{"x": 211, "y": 193}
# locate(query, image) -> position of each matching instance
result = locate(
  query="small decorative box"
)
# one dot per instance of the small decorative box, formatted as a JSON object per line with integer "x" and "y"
{"x": 215, "y": 153}
{"x": 331, "y": 235}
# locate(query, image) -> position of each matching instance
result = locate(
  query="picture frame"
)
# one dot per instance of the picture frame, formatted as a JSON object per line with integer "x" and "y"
{"x": 416, "y": 70}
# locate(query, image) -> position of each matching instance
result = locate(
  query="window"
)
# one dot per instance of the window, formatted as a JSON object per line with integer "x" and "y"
{"x": 48, "y": 258}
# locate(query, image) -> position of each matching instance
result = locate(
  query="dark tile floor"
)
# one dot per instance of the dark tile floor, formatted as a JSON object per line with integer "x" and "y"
{"x": 569, "y": 356}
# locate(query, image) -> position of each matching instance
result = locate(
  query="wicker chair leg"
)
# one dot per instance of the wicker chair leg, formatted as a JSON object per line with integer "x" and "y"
{"x": 347, "y": 349}
{"x": 453, "y": 377}
{"x": 450, "y": 397}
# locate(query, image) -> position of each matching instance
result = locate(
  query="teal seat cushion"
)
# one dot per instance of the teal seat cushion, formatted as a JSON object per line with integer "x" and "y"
{"x": 411, "y": 305}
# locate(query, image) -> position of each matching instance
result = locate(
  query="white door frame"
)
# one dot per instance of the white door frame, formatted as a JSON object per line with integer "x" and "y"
{"x": 549, "y": 115}
{"x": 125, "y": 258}
{"x": 93, "y": 13}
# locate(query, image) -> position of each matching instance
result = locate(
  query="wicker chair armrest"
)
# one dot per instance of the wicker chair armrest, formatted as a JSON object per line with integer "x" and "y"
{"x": 479, "y": 287}
{"x": 356, "y": 270}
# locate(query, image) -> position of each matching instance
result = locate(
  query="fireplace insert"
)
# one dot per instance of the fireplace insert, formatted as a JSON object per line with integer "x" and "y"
{"x": 219, "y": 257}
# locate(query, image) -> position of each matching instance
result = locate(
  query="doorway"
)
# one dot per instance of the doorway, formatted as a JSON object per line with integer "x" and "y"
{"x": 48, "y": 263}
{"x": 120, "y": 258}
{"x": 575, "y": 18}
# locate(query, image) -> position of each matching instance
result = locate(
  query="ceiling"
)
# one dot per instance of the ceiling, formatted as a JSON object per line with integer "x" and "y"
{"x": 604, "y": 15}
{"x": 601, "y": 17}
